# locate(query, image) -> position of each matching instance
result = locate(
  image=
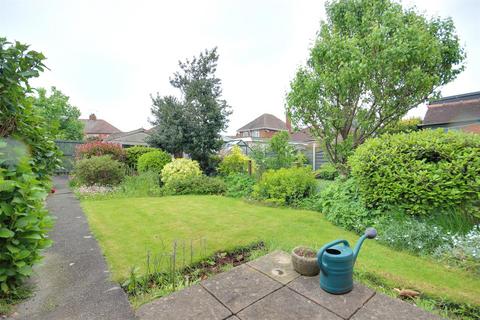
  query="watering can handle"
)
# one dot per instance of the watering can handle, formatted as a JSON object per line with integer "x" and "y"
{"x": 322, "y": 251}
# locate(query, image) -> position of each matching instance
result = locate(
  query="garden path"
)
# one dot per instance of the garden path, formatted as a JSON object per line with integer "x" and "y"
{"x": 72, "y": 282}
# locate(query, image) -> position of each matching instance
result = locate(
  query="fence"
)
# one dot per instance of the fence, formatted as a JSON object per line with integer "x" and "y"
{"x": 315, "y": 155}
{"x": 68, "y": 154}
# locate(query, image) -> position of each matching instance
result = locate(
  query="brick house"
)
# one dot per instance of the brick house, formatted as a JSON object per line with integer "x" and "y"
{"x": 98, "y": 128}
{"x": 265, "y": 126}
{"x": 460, "y": 112}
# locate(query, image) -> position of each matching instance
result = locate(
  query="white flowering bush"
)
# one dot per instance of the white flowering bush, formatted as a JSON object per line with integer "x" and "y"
{"x": 94, "y": 190}
{"x": 412, "y": 235}
{"x": 462, "y": 247}
{"x": 180, "y": 169}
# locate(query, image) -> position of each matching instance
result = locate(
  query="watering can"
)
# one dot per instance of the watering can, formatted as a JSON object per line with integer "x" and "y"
{"x": 336, "y": 260}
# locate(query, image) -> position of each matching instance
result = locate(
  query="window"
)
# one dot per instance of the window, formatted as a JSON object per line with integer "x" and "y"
{"x": 256, "y": 134}
{"x": 245, "y": 134}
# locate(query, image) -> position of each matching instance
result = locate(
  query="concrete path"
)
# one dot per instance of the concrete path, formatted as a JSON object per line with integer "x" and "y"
{"x": 269, "y": 288}
{"x": 72, "y": 281}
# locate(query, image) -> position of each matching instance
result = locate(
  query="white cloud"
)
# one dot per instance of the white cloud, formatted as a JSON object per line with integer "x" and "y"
{"x": 109, "y": 56}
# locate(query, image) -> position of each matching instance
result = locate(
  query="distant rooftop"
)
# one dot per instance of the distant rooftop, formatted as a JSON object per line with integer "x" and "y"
{"x": 265, "y": 121}
{"x": 458, "y": 108}
{"x": 98, "y": 126}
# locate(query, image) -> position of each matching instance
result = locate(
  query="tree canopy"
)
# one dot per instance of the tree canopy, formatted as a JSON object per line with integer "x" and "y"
{"x": 371, "y": 63}
{"x": 61, "y": 116}
{"x": 192, "y": 123}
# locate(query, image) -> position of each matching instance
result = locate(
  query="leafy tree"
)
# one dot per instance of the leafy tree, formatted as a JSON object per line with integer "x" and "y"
{"x": 61, "y": 116}
{"x": 403, "y": 126}
{"x": 372, "y": 62}
{"x": 277, "y": 154}
{"x": 193, "y": 123}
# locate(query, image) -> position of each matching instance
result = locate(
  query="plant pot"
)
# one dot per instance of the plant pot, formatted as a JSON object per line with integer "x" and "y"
{"x": 305, "y": 265}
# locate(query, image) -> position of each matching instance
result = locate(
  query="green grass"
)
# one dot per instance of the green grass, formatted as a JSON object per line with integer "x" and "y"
{"x": 127, "y": 228}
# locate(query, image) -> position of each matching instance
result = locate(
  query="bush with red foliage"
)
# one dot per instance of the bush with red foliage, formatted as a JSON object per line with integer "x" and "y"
{"x": 100, "y": 148}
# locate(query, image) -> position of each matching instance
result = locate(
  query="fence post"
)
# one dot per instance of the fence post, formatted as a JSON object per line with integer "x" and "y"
{"x": 249, "y": 167}
{"x": 313, "y": 157}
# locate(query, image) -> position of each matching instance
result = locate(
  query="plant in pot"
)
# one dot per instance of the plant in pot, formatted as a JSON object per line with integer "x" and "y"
{"x": 304, "y": 260}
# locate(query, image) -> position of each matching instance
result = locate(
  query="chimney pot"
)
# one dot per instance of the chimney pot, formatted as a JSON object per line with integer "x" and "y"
{"x": 288, "y": 123}
{"x": 92, "y": 117}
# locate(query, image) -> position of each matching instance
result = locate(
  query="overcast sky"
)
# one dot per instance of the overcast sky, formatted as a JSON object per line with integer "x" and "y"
{"x": 109, "y": 56}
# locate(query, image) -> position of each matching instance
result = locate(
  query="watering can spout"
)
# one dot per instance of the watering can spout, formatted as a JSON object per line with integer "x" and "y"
{"x": 370, "y": 233}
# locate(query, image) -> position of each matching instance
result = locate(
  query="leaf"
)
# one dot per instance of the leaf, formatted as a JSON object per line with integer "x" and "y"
{"x": 5, "y": 233}
{"x": 25, "y": 270}
{"x": 4, "y": 287}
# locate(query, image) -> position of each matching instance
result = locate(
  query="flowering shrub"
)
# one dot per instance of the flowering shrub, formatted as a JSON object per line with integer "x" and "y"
{"x": 94, "y": 190}
{"x": 462, "y": 248}
{"x": 100, "y": 148}
{"x": 180, "y": 169}
{"x": 411, "y": 235}
{"x": 153, "y": 161}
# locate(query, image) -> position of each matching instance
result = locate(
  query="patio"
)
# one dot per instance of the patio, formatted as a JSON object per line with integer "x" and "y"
{"x": 269, "y": 288}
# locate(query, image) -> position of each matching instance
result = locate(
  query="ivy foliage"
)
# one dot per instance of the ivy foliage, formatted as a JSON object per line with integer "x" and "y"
{"x": 372, "y": 62}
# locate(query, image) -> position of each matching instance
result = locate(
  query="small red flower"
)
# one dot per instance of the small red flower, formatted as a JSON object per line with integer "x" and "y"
{"x": 52, "y": 190}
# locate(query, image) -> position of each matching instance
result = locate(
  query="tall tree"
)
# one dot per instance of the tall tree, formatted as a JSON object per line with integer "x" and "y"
{"x": 371, "y": 63}
{"x": 193, "y": 123}
{"x": 61, "y": 116}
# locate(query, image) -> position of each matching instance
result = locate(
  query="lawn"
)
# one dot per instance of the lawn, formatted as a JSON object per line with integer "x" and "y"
{"x": 129, "y": 227}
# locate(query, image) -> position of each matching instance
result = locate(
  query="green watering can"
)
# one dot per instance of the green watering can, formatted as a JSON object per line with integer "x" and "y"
{"x": 336, "y": 260}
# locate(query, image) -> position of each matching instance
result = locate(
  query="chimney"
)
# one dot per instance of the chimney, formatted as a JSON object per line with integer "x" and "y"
{"x": 288, "y": 122}
{"x": 92, "y": 117}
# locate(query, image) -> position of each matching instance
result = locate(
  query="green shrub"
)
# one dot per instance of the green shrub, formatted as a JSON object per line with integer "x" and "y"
{"x": 133, "y": 153}
{"x": 24, "y": 222}
{"x": 327, "y": 171}
{"x": 239, "y": 185}
{"x": 102, "y": 170}
{"x": 420, "y": 172}
{"x": 180, "y": 169}
{"x": 341, "y": 204}
{"x": 145, "y": 184}
{"x": 153, "y": 161}
{"x": 200, "y": 184}
{"x": 234, "y": 162}
{"x": 285, "y": 186}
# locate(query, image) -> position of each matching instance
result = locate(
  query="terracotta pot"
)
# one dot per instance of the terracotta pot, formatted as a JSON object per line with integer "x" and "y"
{"x": 306, "y": 266}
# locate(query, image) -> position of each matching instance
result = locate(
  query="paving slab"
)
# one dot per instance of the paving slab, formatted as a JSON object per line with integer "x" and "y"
{"x": 382, "y": 307}
{"x": 240, "y": 287}
{"x": 286, "y": 304}
{"x": 191, "y": 303}
{"x": 277, "y": 265}
{"x": 344, "y": 305}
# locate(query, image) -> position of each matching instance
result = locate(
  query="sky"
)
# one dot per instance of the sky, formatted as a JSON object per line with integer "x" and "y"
{"x": 109, "y": 56}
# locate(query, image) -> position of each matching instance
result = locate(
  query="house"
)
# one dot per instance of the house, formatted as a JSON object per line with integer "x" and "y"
{"x": 97, "y": 128}
{"x": 128, "y": 139}
{"x": 265, "y": 126}
{"x": 259, "y": 131}
{"x": 460, "y": 112}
